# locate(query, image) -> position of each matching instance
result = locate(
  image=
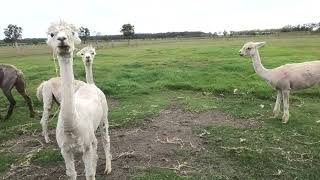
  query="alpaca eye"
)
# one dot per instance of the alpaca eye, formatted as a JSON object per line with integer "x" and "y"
{"x": 51, "y": 34}
{"x": 92, "y": 53}
{"x": 82, "y": 54}
{"x": 249, "y": 48}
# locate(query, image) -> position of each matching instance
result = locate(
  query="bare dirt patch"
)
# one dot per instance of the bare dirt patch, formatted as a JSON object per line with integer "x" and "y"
{"x": 155, "y": 144}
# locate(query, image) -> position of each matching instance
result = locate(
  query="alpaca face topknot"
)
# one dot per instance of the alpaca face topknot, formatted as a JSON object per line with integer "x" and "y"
{"x": 249, "y": 49}
{"x": 87, "y": 54}
{"x": 62, "y": 37}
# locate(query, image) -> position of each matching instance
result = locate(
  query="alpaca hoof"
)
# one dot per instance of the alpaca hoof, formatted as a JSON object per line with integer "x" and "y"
{"x": 90, "y": 177}
{"x": 285, "y": 119}
{"x": 276, "y": 112}
{"x": 72, "y": 177}
{"x": 107, "y": 171}
{"x": 47, "y": 140}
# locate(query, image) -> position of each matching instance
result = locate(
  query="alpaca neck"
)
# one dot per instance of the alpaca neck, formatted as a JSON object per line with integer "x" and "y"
{"x": 89, "y": 75}
{"x": 258, "y": 67}
{"x": 67, "y": 91}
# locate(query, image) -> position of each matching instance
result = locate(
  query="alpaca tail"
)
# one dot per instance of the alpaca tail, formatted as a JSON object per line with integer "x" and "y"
{"x": 39, "y": 91}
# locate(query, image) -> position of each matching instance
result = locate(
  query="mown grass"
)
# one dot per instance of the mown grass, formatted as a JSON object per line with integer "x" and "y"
{"x": 198, "y": 75}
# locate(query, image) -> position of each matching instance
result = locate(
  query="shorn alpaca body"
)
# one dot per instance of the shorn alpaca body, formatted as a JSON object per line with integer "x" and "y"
{"x": 48, "y": 92}
{"x": 284, "y": 78}
{"x": 81, "y": 113}
{"x": 11, "y": 77}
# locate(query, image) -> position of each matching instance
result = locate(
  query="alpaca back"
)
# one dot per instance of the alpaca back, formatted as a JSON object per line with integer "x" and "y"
{"x": 55, "y": 87}
{"x": 39, "y": 90}
{"x": 296, "y": 76}
{"x": 9, "y": 75}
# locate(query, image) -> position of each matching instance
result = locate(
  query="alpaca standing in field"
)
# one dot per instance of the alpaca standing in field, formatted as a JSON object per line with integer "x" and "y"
{"x": 284, "y": 78}
{"x": 82, "y": 112}
{"x": 87, "y": 54}
{"x": 47, "y": 92}
{"x": 11, "y": 77}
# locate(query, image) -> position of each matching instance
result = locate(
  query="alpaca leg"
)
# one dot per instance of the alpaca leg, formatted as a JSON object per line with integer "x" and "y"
{"x": 104, "y": 130}
{"x": 94, "y": 155}
{"x": 47, "y": 105}
{"x": 69, "y": 161}
{"x": 47, "y": 99}
{"x": 44, "y": 123}
{"x": 21, "y": 88}
{"x": 11, "y": 100}
{"x": 285, "y": 96}
{"x": 277, "y": 106}
{"x": 88, "y": 158}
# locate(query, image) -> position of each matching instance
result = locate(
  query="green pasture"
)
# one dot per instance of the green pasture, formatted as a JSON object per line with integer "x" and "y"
{"x": 197, "y": 75}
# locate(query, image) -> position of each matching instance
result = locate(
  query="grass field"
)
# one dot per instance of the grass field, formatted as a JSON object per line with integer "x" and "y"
{"x": 197, "y": 76}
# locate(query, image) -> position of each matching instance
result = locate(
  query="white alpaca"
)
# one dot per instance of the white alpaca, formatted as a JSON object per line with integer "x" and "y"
{"x": 87, "y": 54}
{"x": 82, "y": 112}
{"x": 47, "y": 92}
{"x": 284, "y": 78}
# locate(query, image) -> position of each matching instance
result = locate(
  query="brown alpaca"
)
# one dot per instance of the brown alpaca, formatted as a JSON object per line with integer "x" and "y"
{"x": 11, "y": 77}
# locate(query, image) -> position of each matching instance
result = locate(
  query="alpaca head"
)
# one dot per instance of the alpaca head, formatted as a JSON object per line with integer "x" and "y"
{"x": 62, "y": 37}
{"x": 87, "y": 54}
{"x": 249, "y": 49}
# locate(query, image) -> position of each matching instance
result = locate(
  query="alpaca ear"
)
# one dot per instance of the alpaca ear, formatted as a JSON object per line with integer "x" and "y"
{"x": 77, "y": 40}
{"x": 93, "y": 48}
{"x": 49, "y": 40}
{"x": 79, "y": 53}
{"x": 260, "y": 44}
{"x": 90, "y": 46}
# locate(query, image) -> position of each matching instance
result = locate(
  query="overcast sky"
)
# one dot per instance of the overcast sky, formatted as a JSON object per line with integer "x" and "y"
{"x": 151, "y": 16}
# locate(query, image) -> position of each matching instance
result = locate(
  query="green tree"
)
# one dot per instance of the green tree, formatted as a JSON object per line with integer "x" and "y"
{"x": 12, "y": 34}
{"x": 128, "y": 31}
{"x": 84, "y": 34}
{"x": 225, "y": 33}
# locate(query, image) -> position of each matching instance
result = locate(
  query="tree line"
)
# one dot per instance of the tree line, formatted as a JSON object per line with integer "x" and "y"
{"x": 13, "y": 34}
{"x": 301, "y": 27}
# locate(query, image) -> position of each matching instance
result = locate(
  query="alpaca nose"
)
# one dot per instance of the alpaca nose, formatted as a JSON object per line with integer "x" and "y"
{"x": 87, "y": 59}
{"x": 61, "y": 38}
